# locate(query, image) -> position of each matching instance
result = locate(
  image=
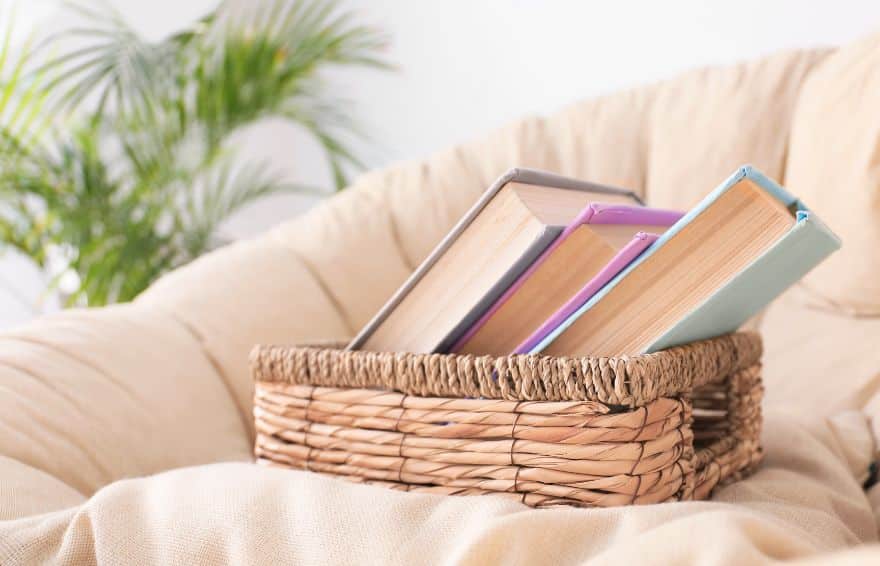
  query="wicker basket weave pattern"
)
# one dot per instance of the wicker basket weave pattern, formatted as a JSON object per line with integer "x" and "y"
{"x": 547, "y": 431}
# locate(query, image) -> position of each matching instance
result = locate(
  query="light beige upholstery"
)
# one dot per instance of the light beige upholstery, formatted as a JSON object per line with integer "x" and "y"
{"x": 834, "y": 161}
{"x": 741, "y": 115}
{"x": 817, "y": 361}
{"x": 125, "y": 432}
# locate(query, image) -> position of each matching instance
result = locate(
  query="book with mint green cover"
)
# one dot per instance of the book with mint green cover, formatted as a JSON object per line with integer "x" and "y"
{"x": 804, "y": 246}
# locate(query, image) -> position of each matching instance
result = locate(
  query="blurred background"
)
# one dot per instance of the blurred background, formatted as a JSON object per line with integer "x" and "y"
{"x": 86, "y": 194}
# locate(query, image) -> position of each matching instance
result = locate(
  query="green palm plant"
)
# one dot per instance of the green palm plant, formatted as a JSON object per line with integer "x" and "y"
{"x": 142, "y": 174}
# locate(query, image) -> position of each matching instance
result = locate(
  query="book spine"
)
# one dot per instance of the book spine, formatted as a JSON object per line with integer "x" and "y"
{"x": 628, "y": 215}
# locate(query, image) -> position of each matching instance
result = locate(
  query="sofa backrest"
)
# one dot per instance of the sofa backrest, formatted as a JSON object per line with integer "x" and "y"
{"x": 834, "y": 165}
{"x": 672, "y": 142}
{"x": 323, "y": 275}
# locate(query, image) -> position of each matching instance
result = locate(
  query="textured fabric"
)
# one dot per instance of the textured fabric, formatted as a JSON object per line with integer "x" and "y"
{"x": 708, "y": 122}
{"x": 590, "y": 135}
{"x": 834, "y": 164}
{"x": 90, "y": 397}
{"x": 250, "y": 292}
{"x": 804, "y": 500}
{"x": 100, "y": 409}
{"x": 818, "y": 362}
{"x": 26, "y": 491}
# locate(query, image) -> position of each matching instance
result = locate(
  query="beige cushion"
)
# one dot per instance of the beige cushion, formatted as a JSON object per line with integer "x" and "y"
{"x": 257, "y": 291}
{"x": 90, "y": 398}
{"x": 708, "y": 122}
{"x": 834, "y": 165}
{"x": 818, "y": 362}
{"x": 588, "y": 135}
{"x": 27, "y": 491}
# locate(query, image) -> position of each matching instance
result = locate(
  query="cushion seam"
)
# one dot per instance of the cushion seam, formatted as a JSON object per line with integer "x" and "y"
{"x": 190, "y": 329}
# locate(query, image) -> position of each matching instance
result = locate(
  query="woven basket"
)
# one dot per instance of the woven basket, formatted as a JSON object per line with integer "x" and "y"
{"x": 544, "y": 430}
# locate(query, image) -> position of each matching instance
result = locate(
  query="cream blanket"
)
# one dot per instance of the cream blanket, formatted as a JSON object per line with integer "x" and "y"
{"x": 805, "y": 500}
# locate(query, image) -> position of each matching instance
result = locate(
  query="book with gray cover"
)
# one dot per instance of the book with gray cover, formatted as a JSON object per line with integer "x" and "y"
{"x": 470, "y": 313}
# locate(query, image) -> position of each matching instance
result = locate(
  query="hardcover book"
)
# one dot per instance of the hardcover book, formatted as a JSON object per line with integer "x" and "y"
{"x": 742, "y": 246}
{"x": 508, "y": 228}
{"x": 600, "y": 242}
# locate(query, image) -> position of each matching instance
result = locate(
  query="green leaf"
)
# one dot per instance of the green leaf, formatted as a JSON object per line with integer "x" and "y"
{"x": 141, "y": 176}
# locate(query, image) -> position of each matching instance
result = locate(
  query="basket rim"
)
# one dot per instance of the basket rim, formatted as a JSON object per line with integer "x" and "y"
{"x": 627, "y": 381}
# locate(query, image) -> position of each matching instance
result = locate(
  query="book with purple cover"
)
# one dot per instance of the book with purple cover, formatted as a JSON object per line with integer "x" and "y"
{"x": 484, "y": 336}
{"x": 631, "y": 251}
{"x": 515, "y": 220}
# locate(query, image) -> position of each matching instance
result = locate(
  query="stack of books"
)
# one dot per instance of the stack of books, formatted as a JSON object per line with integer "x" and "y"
{"x": 548, "y": 264}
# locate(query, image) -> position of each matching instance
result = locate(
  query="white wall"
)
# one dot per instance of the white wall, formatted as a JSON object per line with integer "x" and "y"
{"x": 468, "y": 66}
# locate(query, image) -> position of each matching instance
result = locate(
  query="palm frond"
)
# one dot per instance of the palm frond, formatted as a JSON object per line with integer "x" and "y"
{"x": 222, "y": 191}
{"x": 255, "y": 62}
{"x": 118, "y": 65}
{"x": 23, "y": 94}
{"x": 144, "y": 178}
